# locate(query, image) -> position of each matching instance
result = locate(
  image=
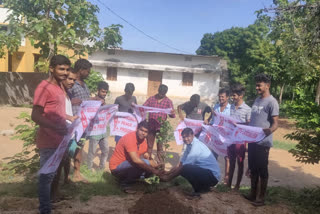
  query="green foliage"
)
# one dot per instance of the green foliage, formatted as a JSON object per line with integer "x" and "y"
{"x": 93, "y": 80}
{"x": 26, "y": 161}
{"x": 111, "y": 37}
{"x": 164, "y": 136}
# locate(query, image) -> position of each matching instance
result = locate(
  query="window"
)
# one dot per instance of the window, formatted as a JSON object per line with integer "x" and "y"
{"x": 112, "y": 73}
{"x": 187, "y": 79}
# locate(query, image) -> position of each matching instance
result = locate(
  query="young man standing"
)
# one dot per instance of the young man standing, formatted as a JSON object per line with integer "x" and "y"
{"x": 160, "y": 100}
{"x": 78, "y": 93}
{"x": 49, "y": 113}
{"x": 197, "y": 165}
{"x": 237, "y": 152}
{"x": 194, "y": 109}
{"x": 264, "y": 114}
{"x": 125, "y": 102}
{"x": 130, "y": 158}
{"x": 102, "y": 140}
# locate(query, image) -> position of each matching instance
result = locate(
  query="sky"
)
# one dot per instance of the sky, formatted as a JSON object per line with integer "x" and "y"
{"x": 179, "y": 24}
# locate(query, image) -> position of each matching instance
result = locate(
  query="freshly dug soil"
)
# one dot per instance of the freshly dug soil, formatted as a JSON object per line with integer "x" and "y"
{"x": 159, "y": 203}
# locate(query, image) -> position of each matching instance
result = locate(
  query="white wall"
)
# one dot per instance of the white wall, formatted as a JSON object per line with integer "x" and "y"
{"x": 3, "y": 14}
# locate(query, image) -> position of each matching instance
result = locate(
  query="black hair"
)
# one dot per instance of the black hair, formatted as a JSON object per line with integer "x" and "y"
{"x": 238, "y": 89}
{"x": 195, "y": 98}
{"x": 103, "y": 85}
{"x": 143, "y": 124}
{"x": 224, "y": 91}
{"x": 263, "y": 78}
{"x": 129, "y": 87}
{"x": 59, "y": 60}
{"x": 163, "y": 89}
{"x": 186, "y": 131}
{"x": 82, "y": 64}
{"x": 72, "y": 70}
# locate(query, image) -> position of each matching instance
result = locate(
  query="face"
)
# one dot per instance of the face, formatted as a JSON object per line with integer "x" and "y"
{"x": 161, "y": 94}
{"x": 69, "y": 82}
{"x": 84, "y": 73}
{"x": 236, "y": 98}
{"x": 223, "y": 99}
{"x": 60, "y": 72}
{"x": 194, "y": 102}
{"x": 187, "y": 139}
{"x": 142, "y": 133}
{"x": 262, "y": 87}
{"x": 102, "y": 93}
{"x": 128, "y": 93}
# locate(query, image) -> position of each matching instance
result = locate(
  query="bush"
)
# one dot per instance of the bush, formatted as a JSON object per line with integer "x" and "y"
{"x": 93, "y": 80}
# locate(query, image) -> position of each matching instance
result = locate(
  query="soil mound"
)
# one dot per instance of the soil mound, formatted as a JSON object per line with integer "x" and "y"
{"x": 159, "y": 203}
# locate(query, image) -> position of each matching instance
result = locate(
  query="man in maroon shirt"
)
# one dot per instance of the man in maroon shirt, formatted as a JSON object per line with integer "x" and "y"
{"x": 160, "y": 100}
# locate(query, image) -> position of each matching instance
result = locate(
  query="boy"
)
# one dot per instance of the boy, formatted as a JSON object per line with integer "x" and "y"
{"x": 49, "y": 113}
{"x": 102, "y": 140}
{"x": 237, "y": 152}
{"x": 264, "y": 114}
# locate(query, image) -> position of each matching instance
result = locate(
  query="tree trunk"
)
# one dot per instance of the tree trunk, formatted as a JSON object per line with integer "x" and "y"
{"x": 317, "y": 100}
{"x": 281, "y": 93}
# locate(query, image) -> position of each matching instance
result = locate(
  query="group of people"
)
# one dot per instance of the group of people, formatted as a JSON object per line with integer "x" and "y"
{"x": 57, "y": 102}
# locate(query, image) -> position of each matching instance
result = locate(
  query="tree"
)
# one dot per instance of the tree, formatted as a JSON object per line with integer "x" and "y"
{"x": 50, "y": 23}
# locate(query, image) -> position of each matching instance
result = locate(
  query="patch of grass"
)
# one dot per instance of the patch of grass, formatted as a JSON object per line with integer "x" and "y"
{"x": 283, "y": 145}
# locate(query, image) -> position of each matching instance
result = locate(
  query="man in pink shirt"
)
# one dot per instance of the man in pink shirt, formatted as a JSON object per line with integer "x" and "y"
{"x": 49, "y": 113}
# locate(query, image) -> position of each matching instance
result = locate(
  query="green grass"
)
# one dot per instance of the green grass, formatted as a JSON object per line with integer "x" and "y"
{"x": 283, "y": 145}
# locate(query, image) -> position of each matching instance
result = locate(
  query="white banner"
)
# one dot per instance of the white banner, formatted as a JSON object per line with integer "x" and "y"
{"x": 98, "y": 125}
{"x": 195, "y": 125}
{"x": 141, "y": 111}
{"x": 122, "y": 124}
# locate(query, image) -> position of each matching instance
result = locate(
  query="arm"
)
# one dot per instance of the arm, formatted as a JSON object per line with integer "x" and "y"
{"x": 172, "y": 113}
{"x": 172, "y": 173}
{"x": 274, "y": 126}
{"x": 207, "y": 110}
{"x": 37, "y": 117}
{"x": 135, "y": 159}
{"x": 180, "y": 112}
{"x": 71, "y": 118}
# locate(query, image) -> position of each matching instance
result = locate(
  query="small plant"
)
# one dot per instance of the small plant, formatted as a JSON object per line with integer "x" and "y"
{"x": 153, "y": 183}
{"x": 26, "y": 161}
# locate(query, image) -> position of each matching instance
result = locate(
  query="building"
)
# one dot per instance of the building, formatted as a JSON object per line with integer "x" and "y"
{"x": 183, "y": 74}
{"x": 27, "y": 56}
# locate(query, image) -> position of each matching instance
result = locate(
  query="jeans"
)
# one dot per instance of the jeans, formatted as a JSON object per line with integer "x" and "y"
{"x": 201, "y": 179}
{"x": 258, "y": 159}
{"x": 117, "y": 138}
{"x": 103, "y": 145}
{"x": 44, "y": 182}
{"x": 127, "y": 172}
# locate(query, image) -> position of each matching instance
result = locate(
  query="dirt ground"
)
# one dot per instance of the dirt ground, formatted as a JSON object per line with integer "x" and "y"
{"x": 283, "y": 171}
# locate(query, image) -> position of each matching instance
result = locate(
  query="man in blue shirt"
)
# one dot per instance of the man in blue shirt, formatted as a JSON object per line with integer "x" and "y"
{"x": 198, "y": 165}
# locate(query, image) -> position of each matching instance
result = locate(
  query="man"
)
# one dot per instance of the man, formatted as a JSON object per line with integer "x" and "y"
{"x": 197, "y": 165}
{"x": 223, "y": 107}
{"x": 160, "y": 100}
{"x": 194, "y": 109}
{"x": 237, "y": 152}
{"x": 49, "y": 113}
{"x": 78, "y": 93}
{"x": 264, "y": 114}
{"x": 129, "y": 160}
{"x": 102, "y": 140}
{"x": 125, "y": 102}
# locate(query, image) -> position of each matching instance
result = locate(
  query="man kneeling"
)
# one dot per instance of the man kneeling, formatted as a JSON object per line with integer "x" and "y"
{"x": 129, "y": 160}
{"x": 198, "y": 165}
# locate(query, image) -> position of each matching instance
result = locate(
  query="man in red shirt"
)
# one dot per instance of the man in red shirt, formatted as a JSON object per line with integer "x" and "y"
{"x": 130, "y": 158}
{"x": 159, "y": 100}
{"x": 50, "y": 114}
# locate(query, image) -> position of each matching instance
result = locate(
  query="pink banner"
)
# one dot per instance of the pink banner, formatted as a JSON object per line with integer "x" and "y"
{"x": 123, "y": 123}
{"x": 195, "y": 125}
{"x": 141, "y": 111}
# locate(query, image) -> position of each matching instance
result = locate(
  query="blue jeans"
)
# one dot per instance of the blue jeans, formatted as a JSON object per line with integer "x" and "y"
{"x": 104, "y": 147}
{"x": 127, "y": 172}
{"x": 44, "y": 182}
{"x": 117, "y": 138}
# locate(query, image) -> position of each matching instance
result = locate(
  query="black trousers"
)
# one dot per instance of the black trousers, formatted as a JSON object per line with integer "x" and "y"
{"x": 258, "y": 159}
{"x": 201, "y": 179}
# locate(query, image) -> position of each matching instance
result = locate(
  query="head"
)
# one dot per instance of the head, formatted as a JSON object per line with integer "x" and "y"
{"x": 129, "y": 89}
{"x": 195, "y": 100}
{"x": 187, "y": 135}
{"x": 142, "y": 130}
{"x": 263, "y": 82}
{"x": 162, "y": 91}
{"x": 237, "y": 92}
{"x": 82, "y": 67}
{"x": 103, "y": 89}
{"x": 223, "y": 96}
{"x": 59, "y": 67}
{"x": 71, "y": 79}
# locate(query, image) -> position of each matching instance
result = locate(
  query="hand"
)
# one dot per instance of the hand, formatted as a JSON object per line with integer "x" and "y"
{"x": 172, "y": 111}
{"x": 76, "y": 101}
{"x": 267, "y": 132}
{"x": 153, "y": 163}
{"x": 73, "y": 118}
{"x": 103, "y": 101}
{"x": 156, "y": 172}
